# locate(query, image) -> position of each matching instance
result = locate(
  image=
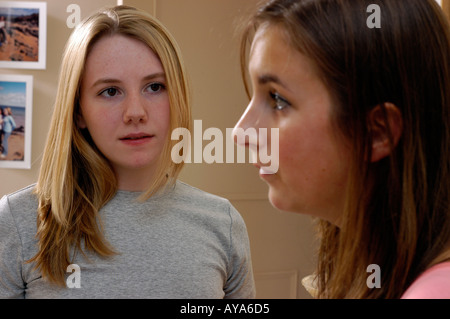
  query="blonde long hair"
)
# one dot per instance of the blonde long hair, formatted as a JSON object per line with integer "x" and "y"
{"x": 75, "y": 179}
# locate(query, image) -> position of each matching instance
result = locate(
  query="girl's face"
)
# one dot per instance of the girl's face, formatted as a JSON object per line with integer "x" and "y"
{"x": 125, "y": 107}
{"x": 288, "y": 95}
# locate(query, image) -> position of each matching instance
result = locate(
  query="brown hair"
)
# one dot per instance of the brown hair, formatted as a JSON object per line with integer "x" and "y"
{"x": 397, "y": 209}
{"x": 446, "y": 7}
{"x": 75, "y": 179}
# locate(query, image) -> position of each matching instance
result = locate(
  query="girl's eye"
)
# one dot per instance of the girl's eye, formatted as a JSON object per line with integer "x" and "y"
{"x": 280, "y": 103}
{"x": 155, "y": 87}
{"x": 109, "y": 92}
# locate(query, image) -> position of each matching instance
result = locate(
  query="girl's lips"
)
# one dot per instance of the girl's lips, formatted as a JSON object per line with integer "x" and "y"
{"x": 136, "y": 139}
{"x": 135, "y": 136}
{"x": 266, "y": 171}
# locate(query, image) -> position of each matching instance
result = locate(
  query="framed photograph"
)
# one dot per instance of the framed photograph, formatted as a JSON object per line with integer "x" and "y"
{"x": 23, "y": 34}
{"x": 16, "y": 99}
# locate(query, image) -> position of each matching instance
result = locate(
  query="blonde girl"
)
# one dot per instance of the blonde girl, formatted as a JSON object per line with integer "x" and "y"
{"x": 107, "y": 205}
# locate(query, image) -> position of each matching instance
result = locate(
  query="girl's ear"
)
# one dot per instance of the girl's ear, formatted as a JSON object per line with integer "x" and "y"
{"x": 81, "y": 123}
{"x": 386, "y": 127}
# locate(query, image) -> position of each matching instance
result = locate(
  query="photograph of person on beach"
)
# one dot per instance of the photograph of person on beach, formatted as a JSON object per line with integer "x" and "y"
{"x": 12, "y": 120}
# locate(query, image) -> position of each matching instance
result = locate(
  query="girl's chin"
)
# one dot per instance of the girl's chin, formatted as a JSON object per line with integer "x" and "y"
{"x": 277, "y": 200}
{"x": 281, "y": 201}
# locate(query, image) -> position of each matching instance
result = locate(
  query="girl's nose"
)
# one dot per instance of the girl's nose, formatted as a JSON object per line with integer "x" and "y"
{"x": 135, "y": 111}
{"x": 245, "y": 131}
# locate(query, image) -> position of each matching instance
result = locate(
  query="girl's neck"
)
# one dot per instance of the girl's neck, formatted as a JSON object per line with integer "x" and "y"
{"x": 137, "y": 180}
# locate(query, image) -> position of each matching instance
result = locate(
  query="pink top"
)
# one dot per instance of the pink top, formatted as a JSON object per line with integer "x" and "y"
{"x": 434, "y": 283}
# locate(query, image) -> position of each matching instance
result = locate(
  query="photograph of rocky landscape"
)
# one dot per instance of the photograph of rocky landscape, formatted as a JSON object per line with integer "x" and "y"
{"x": 19, "y": 34}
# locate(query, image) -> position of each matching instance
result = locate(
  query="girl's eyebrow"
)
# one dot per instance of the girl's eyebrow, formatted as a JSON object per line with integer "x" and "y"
{"x": 159, "y": 75}
{"x": 269, "y": 78}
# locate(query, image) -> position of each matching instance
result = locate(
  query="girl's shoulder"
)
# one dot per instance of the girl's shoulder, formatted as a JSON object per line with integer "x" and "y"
{"x": 434, "y": 283}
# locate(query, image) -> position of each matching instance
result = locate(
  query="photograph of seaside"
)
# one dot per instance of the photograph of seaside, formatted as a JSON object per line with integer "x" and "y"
{"x": 19, "y": 34}
{"x": 15, "y": 138}
{"x": 22, "y": 42}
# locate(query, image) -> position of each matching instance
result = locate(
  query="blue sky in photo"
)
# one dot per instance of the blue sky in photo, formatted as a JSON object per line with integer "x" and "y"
{"x": 17, "y": 11}
{"x": 13, "y": 93}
